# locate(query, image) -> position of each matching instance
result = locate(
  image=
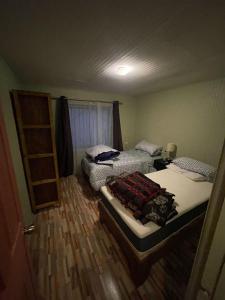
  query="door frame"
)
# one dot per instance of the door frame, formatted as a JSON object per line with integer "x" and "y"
{"x": 19, "y": 238}
{"x": 212, "y": 216}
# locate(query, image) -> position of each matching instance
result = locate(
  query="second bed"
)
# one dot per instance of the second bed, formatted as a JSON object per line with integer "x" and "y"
{"x": 128, "y": 161}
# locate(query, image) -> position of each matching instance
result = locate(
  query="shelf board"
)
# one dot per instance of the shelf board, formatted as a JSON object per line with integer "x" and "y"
{"x": 47, "y": 204}
{"x": 40, "y": 155}
{"x": 44, "y": 181}
{"x": 36, "y": 126}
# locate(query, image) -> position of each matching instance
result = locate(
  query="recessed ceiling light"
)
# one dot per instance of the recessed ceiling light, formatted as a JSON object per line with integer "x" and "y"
{"x": 128, "y": 69}
{"x": 123, "y": 70}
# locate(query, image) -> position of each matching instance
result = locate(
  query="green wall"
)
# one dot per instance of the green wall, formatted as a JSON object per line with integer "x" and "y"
{"x": 191, "y": 116}
{"x": 8, "y": 82}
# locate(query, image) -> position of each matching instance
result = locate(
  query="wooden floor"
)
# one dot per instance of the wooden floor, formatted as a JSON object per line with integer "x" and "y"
{"x": 75, "y": 257}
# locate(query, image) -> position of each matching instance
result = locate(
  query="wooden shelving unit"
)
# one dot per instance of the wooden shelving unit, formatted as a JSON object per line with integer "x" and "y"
{"x": 33, "y": 116}
{"x": 36, "y": 126}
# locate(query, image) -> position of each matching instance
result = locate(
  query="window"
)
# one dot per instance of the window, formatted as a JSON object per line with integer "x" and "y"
{"x": 91, "y": 124}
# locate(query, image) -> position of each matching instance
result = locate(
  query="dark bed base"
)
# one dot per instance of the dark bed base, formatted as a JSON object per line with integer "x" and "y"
{"x": 85, "y": 177}
{"x": 140, "y": 263}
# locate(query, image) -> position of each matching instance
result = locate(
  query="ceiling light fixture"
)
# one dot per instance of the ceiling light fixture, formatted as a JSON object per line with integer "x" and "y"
{"x": 123, "y": 70}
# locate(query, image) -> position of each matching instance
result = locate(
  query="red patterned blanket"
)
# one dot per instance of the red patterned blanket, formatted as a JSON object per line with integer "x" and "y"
{"x": 147, "y": 200}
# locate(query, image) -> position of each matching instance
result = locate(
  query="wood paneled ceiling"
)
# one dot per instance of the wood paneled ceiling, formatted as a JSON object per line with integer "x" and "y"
{"x": 81, "y": 44}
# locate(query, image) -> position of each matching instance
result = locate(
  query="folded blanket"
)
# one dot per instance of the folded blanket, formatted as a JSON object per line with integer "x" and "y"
{"x": 105, "y": 162}
{"x": 147, "y": 200}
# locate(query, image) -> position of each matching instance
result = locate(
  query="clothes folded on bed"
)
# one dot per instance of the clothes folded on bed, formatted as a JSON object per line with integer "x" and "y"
{"x": 147, "y": 200}
{"x": 109, "y": 155}
{"x": 101, "y": 153}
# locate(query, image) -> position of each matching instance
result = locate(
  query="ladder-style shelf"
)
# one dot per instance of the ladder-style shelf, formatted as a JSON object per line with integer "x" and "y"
{"x": 33, "y": 116}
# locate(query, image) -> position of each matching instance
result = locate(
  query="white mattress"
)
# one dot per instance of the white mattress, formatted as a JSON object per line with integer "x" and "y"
{"x": 188, "y": 195}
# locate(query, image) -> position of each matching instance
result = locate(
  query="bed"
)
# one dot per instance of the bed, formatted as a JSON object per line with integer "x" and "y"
{"x": 128, "y": 161}
{"x": 143, "y": 244}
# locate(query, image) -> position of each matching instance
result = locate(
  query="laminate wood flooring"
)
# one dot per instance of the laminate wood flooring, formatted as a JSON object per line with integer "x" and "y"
{"x": 76, "y": 257}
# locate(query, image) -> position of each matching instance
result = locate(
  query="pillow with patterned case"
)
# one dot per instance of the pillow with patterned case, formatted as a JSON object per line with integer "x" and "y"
{"x": 191, "y": 175}
{"x": 197, "y": 166}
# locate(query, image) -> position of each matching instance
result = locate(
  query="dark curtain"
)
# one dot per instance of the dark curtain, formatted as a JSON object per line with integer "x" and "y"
{"x": 64, "y": 143}
{"x": 117, "y": 135}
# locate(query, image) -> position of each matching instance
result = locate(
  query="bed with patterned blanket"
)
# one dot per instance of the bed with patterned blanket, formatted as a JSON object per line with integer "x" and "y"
{"x": 128, "y": 161}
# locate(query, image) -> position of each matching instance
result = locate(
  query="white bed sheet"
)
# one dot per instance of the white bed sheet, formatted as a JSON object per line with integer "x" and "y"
{"x": 188, "y": 195}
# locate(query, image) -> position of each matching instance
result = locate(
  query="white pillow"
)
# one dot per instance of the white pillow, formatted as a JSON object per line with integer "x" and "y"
{"x": 175, "y": 168}
{"x": 196, "y": 166}
{"x": 98, "y": 149}
{"x": 194, "y": 176}
{"x": 152, "y": 149}
{"x": 191, "y": 175}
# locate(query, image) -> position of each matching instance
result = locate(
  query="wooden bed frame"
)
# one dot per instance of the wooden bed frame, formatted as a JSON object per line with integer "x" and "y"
{"x": 140, "y": 263}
